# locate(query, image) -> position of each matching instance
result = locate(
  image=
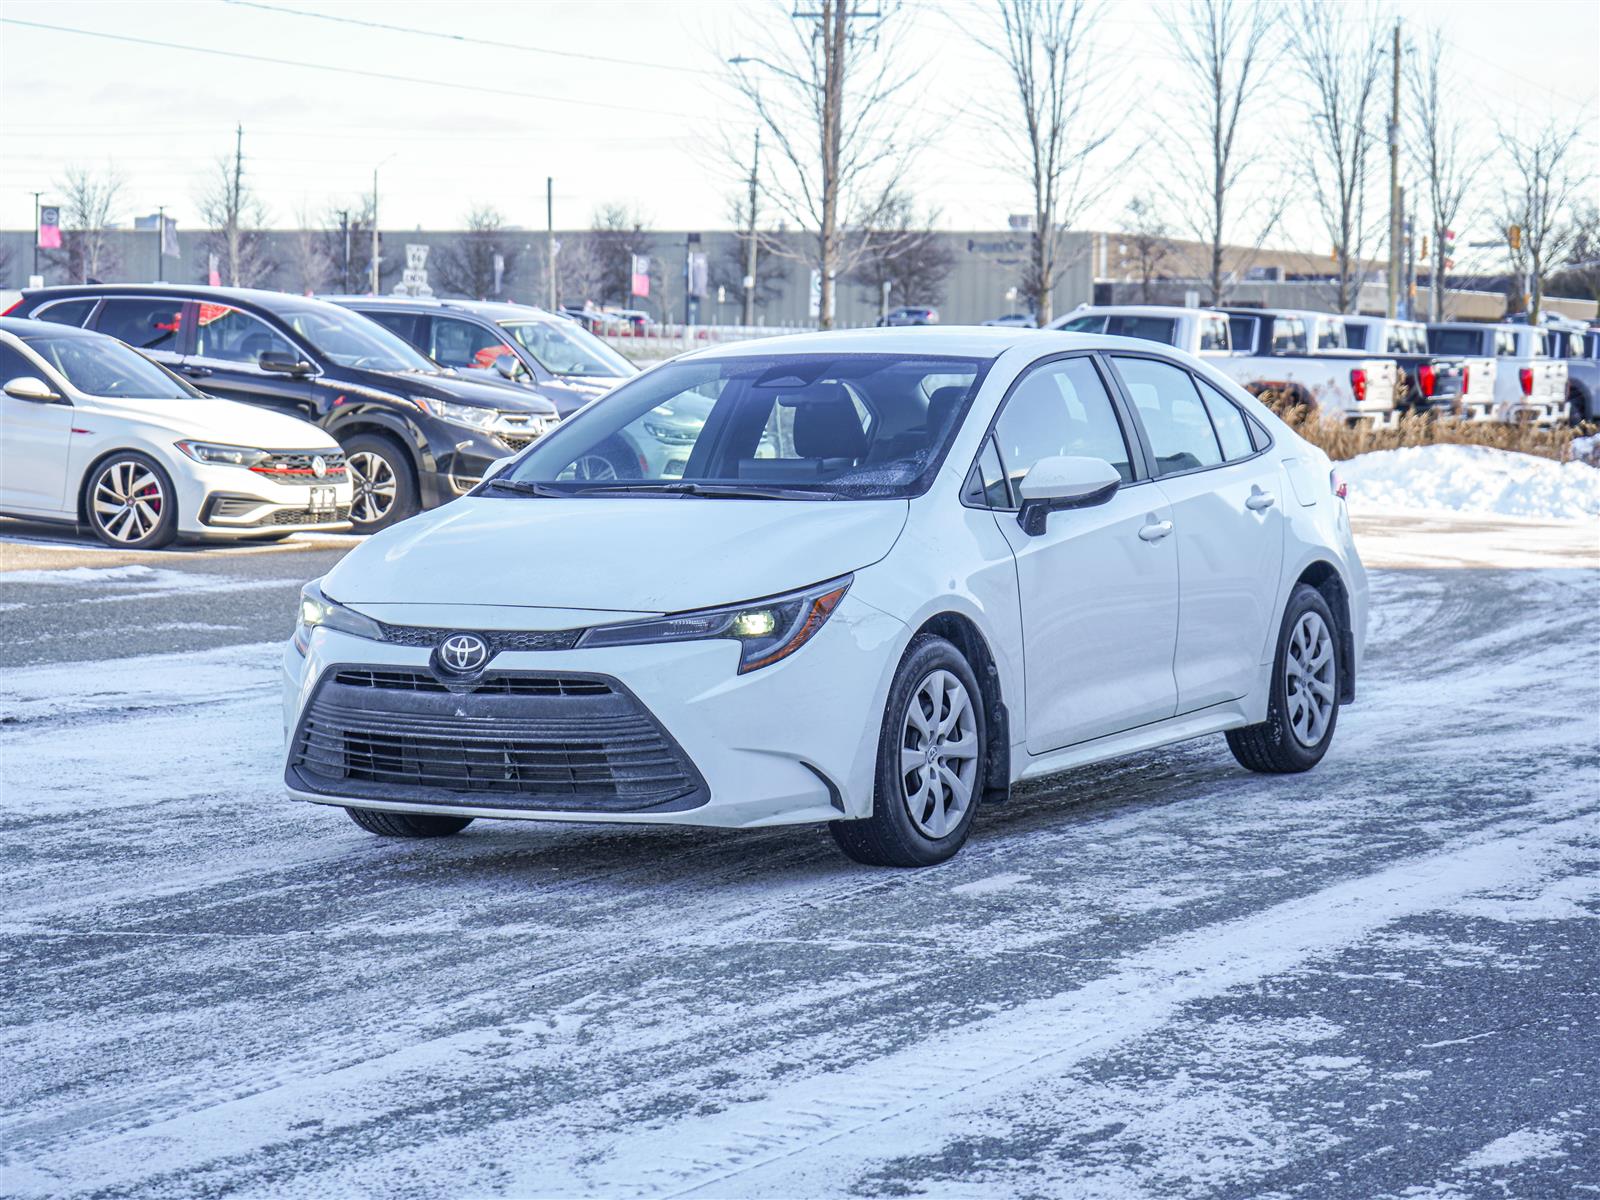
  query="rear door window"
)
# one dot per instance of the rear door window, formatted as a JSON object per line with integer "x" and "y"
{"x": 1288, "y": 336}
{"x": 1330, "y": 334}
{"x": 1214, "y": 334}
{"x": 1173, "y": 414}
{"x": 467, "y": 345}
{"x": 144, "y": 322}
{"x": 231, "y": 335}
{"x": 399, "y": 323}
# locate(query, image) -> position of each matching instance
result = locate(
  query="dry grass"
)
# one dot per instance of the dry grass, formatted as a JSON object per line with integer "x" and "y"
{"x": 1340, "y": 440}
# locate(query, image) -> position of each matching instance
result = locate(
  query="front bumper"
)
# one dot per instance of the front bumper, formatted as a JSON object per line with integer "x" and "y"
{"x": 216, "y": 501}
{"x": 792, "y": 743}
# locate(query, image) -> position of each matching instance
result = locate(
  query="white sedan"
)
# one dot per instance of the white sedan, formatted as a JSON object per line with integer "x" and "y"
{"x": 901, "y": 571}
{"x": 97, "y": 435}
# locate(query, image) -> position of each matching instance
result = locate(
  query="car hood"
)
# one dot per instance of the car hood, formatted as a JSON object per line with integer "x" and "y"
{"x": 225, "y": 421}
{"x": 458, "y": 388}
{"x": 635, "y": 554}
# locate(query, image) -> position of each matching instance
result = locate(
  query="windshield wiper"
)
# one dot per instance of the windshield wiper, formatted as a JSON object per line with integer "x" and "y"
{"x": 710, "y": 491}
{"x": 524, "y": 488}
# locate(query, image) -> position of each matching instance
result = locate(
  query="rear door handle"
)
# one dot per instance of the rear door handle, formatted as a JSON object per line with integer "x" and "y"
{"x": 198, "y": 372}
{"x": 1260, "y": 500}
{"x": 1155, "y": 530}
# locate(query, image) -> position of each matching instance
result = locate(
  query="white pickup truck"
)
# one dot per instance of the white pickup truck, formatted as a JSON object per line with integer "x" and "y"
{"x": 1529, "y": 384}
{"x": 1300, "y": 356}
{"x": 1432, "y": 383}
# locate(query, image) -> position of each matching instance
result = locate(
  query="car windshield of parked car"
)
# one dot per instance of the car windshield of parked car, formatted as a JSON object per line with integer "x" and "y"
{"x": 801, "y": 426}
{"x": 564, "y": 349}
{"x": 1455, "y": 341}
{"x": 351, "y": 340}
{"x": 105, "y": 367}
{"x": 1146, "y": 329}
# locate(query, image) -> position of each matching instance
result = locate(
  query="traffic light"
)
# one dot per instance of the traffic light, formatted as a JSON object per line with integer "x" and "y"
{"x": 1514, "y": 236}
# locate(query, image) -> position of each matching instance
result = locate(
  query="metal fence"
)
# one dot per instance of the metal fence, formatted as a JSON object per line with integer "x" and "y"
{"x": 650, "y": 341}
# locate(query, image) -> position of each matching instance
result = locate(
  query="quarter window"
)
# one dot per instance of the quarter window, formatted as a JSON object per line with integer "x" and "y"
{"x": 1229, "y": 423}
{"x": 233, "y": 336}
{"x": 1173, "y": 415}
{"x": 145, "y": 324}
{"x": 67, "y": 312}
{"x": 1060, "y": 408}
{"x": 1214, "y": 334}
{"x": 1330, "y": 334}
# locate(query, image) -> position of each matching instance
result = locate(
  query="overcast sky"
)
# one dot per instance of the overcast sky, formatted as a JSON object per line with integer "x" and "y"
{"x": 622, "y": 102}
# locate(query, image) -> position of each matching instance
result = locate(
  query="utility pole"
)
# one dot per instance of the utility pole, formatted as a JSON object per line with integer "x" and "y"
{"x": 36, "y": 197}
{"x": 161, "y": 243}
{"x": 374, "y": 231}
{"x": 1394, "y": 179}
{"x": 750, "y": 241}
{"x": 550, "y": 234}
{"x": 236, "y": 214}
{"x": 344, "y": 238}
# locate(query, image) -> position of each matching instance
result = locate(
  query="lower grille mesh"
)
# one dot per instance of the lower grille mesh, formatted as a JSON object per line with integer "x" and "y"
{"x": 514, "y": 740}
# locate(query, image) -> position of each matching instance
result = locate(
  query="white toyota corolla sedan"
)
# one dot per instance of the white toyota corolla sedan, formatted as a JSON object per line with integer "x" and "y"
{"x": 98, "y": 435}
{"x": 901, "y": 571}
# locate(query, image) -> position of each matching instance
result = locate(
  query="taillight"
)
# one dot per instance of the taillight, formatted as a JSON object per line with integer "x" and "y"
{"x": 1358, "y": 384}
{"x": 1526, "y": 375}
{"x": 1466, "y": 380}
{"x": 14, "y": 307}
{"x": 1340, "y": 488}
{"x": 1427, "y": 379}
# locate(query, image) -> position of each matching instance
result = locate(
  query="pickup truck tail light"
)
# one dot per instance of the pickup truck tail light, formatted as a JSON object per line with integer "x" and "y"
{"x": 1466, "y": 380}
{"x": 1340, "y": 488}
{"x": 1426, "y": 379}
{"x": 1526, "y": 376}
{"x": 1358, "y": 384}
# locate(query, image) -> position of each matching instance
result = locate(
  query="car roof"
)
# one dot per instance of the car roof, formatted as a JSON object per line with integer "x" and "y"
{"x": 23, "y": 327}
{"x": 963, "y": 341}
{"x": 261, "y": 297}
{"x": 1132, "y": 310}
{"x": 494, "y": 310}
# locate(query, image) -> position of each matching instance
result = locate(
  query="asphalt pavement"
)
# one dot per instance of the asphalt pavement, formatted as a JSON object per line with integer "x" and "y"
{"x": 1161, "y": 976}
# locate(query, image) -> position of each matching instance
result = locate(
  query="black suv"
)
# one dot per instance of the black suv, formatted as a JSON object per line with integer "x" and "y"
{"x": 548, "y": 354}
{"x": 414, "y": 434}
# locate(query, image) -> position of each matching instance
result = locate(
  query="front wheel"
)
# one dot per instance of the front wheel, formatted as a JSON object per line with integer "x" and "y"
{"x": 1303, "y": 707}
{"x": 930, "y": 763}
{"x": 383, "y": 489}
{"x": 131, "y": 503}
{"x": 407, "y": 825}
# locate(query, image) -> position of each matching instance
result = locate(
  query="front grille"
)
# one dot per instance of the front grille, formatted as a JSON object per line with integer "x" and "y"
{"x": 516, "y": 442}
{"x": 497, "y": 639}
{"x": 301, "y": 516}
{"x": 296, "y": 467}
{"x": 568, "y": 743}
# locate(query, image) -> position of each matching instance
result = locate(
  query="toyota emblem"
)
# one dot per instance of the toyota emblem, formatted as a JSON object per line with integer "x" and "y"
{"x": 319, "y": 466}
{"x": 462, "y": 653}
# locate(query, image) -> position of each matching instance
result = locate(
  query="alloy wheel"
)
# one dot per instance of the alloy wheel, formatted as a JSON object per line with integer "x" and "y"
{"x": 592, "y": 466}
{"x": 939, "y": 754}
{"x": 372, "y": 484}
{"x": 128, "y": 501}
{"x": 1309, "y": 685}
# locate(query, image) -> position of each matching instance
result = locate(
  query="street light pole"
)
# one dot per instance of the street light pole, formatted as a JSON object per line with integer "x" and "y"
{"x": 36, "y": 197}
{"x": 375, "y": 230}
{"x": 161, "y": 243}
{"x": 750, "y": 242}
{"x": 344, "y": 236}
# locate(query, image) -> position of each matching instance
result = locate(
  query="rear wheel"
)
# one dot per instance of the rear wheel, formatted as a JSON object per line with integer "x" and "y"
{"x": 1303, "y": 707}
{"x": 930, "y": 763}
{"x": 130, "y": 502}
{"x": 407, "y": 825}
{"x": 383, "y": 489}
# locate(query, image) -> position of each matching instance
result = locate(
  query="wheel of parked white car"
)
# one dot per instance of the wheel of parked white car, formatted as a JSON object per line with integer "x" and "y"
{"x": 1303, "y": 707}
{"x": 131, "y": 502}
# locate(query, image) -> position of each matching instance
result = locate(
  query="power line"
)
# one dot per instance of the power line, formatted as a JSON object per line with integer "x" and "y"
{"x": 310, "y": 66}
{"x": 472, "y": 41}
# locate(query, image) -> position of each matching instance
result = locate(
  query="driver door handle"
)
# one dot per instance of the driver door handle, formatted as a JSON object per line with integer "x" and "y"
{"x": 195, "y": 370}
{"x": 1155, "y": 530}
{"x": 1260, "y": 500}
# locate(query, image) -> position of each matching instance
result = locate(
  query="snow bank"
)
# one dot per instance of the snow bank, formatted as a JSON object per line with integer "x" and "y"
{"x": 1471, "y": 479}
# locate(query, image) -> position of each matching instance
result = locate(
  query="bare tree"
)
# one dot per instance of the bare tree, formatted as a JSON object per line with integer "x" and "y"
{"x": 1547, "y": 176}
{"x": 1052, "y": 136}
{"x": 7, "y": 260}
{"x": 728, "y": 267}
{"x": 1225, "y": 48}
{"x": 1148, "y": 245}
{"x": 826, "y": 89}
{"x": 616, "y": 235}
{"x": 234, "y": 216}
{"x": 90, "y": 200}
{"x": 1579, "y": 274}
{"x": 1339, "y": 53}
{"x": 311, "y": 269}
{"x": 466, "y": 265}
{"x": 346, "y": 240}
{"x": 1438, "y": 142}
{"x": 899, "y": 253}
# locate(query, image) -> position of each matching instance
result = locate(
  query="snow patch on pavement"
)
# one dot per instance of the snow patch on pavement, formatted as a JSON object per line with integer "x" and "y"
{"x": 1514, "y": 1148}
{"x": 135, "y": 581}
{"x": 991, "y": 883}
{"x": 1471, "y": 479}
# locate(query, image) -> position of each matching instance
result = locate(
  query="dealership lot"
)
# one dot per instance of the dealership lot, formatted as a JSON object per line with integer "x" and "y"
{"x": 1158, "y": 976}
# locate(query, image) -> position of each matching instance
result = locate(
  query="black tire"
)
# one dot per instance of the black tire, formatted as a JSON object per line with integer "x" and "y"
{"x": 407, "y": 825}
{"x": 1273, "y": 747}
{"x": 112, "y": 528}
{"x": 397, "y": 461}
{"x": 890, "y": 837}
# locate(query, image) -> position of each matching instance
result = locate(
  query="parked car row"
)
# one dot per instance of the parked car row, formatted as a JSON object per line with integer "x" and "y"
{"x": 393, "y": 428}
{"x": 1373, "y": 369}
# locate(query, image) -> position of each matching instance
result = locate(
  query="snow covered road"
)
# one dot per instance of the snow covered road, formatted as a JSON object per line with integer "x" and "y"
{"x": 1157, "y": 977}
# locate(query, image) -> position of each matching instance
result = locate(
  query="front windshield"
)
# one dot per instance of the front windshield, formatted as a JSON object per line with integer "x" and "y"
{"x": 566, "y": 349}
{"x": 352, "y": 340}
{"x": 105, "y": 367}
{"x": 857, "y": 426}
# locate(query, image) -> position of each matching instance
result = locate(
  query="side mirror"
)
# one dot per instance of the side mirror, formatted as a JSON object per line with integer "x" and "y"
{"x": 497, "y": 465}
{"x": 31, "y": 387}
{"x": 1062, "y": 482}
{"x": 282, "y": 364}
{"x": 510, "y": 366}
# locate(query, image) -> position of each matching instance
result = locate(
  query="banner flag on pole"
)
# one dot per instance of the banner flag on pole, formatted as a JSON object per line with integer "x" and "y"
{"x": 169, "y": 237}
{"x": 50, "y": 227}
{"x": 641, "y": 275}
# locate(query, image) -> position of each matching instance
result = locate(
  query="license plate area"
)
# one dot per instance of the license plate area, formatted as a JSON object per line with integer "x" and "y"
{"x": 321, "y": 501}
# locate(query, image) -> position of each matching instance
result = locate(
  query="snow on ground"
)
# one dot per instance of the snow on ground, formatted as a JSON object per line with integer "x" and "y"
{"x": 1156, "y": 977}
{"x": 1471, "y": 479}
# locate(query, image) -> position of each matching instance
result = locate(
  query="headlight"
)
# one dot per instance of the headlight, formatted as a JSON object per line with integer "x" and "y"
{"x": 316, "y": 609}
{"x": 215, "y": 455}
{"x": 767, "y": 630}
{"x": 674, "y": 435}
{"x": 462, "y": 414}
